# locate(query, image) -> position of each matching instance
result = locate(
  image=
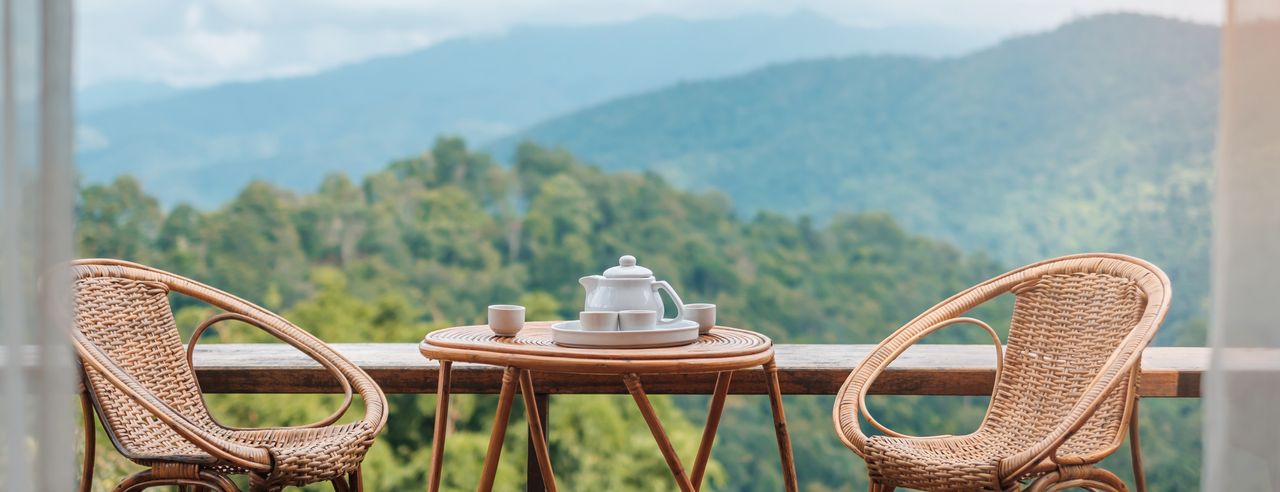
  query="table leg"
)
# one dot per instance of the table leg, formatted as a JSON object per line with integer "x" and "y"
{"x": 709, "y": 431}
{"x": 499, "y": 433}
{"x": 533, "y": 476}
{"x": 780, "y": 427}
{"x": 659, "y": 435}
{"x": 536, "y": 432}
{"x": 441, "y": 425}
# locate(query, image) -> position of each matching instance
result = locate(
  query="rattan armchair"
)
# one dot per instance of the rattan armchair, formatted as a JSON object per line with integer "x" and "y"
{"x": 1066, "y": 384}
{"x": 140, "y": 382}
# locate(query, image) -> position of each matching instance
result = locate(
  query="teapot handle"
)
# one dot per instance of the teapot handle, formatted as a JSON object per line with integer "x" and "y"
{"x": 663, "y": 285}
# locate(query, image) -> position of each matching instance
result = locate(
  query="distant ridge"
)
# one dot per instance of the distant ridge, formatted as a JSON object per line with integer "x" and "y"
{"x": 113, "y": 94}
{"x": 203, "y": 145}
{"x": 1096, "y": 135}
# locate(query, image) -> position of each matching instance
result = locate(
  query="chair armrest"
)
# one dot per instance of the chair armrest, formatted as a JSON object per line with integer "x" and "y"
{"x": 328, "y": 365}
{"x": 249, "y": 457}
{"x": 848, "y": 408}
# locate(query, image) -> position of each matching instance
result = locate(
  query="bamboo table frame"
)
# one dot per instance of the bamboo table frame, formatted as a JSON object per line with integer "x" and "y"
{"x": 721, "y": 351}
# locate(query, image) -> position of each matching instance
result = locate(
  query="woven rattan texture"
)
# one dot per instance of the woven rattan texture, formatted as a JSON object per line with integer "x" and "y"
{"x": 131, "y": 321}
{"x": 148, "y": 398}
{"x": 535, "y": 339}
{"x": 1078, "y": 327}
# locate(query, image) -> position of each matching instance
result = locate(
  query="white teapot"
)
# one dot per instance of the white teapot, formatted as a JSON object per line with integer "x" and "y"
{"x": 629, "y": 286}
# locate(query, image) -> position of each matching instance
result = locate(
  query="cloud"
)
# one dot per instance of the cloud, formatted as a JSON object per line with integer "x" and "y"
{"x": 226, "y": 49}
{"x": 198, "y": 42}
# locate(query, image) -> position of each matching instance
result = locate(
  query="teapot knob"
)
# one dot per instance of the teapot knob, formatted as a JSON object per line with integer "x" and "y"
{"x": 627, "y": 260}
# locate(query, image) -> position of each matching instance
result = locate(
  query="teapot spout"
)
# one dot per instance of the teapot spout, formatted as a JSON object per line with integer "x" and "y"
{"x": 590, "y": 282}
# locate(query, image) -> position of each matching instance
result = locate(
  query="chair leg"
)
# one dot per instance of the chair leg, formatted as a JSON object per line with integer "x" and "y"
{"x": 90, "y": 440}
{"x": 206, "y": 480}
{"x": 219, "y": 483}
{"x": 875, "y": 487}
{"x": 357, "y": 480}
{"x": 340, "y": 484}
{"x": 1085, "y": 477}
{"x": 1135, "y": 450}
{"x": 258, "y": 483}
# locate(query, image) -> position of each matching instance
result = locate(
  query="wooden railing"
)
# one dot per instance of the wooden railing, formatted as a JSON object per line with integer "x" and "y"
{"x": 803, "y": 370}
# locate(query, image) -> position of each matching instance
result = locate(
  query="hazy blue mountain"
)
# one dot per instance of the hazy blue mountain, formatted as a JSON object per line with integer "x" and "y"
{"x": 116, "y": 93}
{"x": 202, "y": 145}
{"x": 1095, "y": 136}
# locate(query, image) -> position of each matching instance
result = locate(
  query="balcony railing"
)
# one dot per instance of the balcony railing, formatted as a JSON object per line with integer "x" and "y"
{"x": 959, "y": 370}
{"x": 803, "y": 370}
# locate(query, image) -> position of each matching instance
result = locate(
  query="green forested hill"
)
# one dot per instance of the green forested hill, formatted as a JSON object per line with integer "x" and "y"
{"x": 1094, "y": 136}
{"x": 430, "y": 241}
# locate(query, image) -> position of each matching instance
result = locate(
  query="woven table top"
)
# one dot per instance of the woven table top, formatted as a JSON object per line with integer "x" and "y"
{"x": 722, "y": 349}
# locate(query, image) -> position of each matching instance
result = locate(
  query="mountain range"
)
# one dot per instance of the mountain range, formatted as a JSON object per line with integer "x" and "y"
{"x": 113, "y": 94}
{"x": 202, "y": 145}
{"x": 1097, "y": 135}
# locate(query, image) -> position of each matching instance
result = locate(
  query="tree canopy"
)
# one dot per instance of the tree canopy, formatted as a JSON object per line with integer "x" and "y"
{"x": 431, "y": 240}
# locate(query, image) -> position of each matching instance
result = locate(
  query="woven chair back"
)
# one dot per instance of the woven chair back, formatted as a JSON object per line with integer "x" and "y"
{"x": 132, "y": 322}
{"x": 1065, "y": 327}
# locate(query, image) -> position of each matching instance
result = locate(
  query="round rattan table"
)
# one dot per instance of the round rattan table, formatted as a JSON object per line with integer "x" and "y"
{"x": 721, "y": 351}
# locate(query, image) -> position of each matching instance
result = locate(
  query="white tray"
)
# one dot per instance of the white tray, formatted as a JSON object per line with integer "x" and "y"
{"x": 570, "y": 334}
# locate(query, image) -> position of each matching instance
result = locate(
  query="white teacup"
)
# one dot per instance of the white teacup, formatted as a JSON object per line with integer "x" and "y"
{"x": 506, "y": 319}
{"x": 637, "y": 319}
{"x": 702, "y": 314}
{"x": 598, "y": 320}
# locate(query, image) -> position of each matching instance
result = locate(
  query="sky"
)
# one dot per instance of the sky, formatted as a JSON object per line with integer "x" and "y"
{"x": 204, "y": 42}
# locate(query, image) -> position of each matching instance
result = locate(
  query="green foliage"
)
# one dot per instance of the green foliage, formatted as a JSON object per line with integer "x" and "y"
{"x": 430, "y": 241}
{"x": 1096, "y": 136}
{"x": 118, "y": 220}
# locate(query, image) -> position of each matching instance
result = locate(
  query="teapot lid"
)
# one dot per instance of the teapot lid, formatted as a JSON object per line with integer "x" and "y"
{"x": 627, "y": 268}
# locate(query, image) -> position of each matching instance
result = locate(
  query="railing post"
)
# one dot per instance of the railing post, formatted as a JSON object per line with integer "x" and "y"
{"x": 533, "y": 474}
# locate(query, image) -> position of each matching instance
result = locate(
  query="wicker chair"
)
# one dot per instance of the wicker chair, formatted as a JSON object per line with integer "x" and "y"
{"x": 1066, "y": 384}
{"x": 142, "y": 386}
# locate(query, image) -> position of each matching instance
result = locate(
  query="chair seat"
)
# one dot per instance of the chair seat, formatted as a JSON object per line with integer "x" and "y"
{"x": 301, "y": 456}
{"x": 952, "y": 463}
{"x": 969, "y": 462}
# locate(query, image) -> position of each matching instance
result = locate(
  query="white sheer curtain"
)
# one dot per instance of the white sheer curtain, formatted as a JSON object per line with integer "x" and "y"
{"x": 1242, "y": 390}
{"x": 37, "y": 388}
